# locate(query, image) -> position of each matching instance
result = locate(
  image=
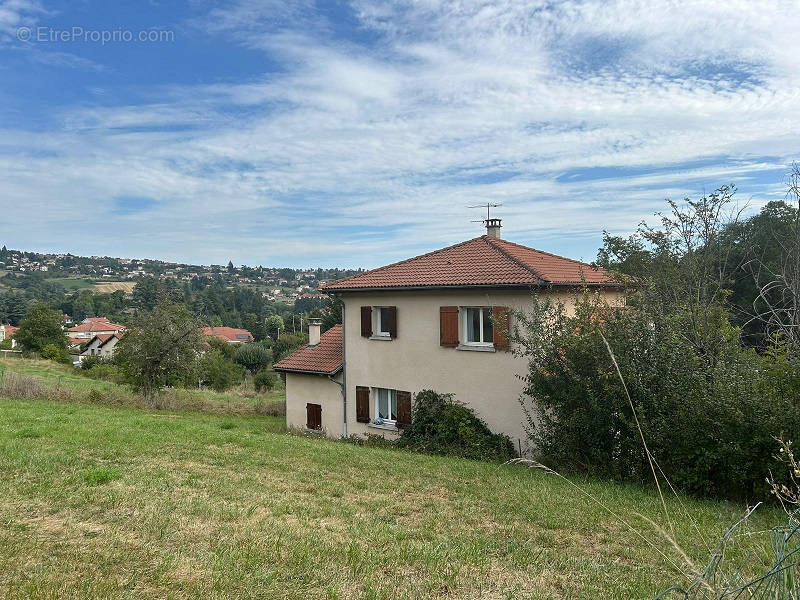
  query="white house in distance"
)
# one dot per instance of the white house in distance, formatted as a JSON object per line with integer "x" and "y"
{"x": 438, "y": 321}
{"x": 102, "y": 345}
{"x": 7, "y": 333}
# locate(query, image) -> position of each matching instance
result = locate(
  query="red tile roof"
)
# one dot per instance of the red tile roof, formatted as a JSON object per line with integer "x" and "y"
{"x": 229, "y": 334}
{"x": 325, "y": 358}
{"x": 483, "y": 261}
{"x": 104, "y": 337}
{"x": 97, "y": 324}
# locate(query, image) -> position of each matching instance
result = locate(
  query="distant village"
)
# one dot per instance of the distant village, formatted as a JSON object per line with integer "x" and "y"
{"x": 275, "y": 284}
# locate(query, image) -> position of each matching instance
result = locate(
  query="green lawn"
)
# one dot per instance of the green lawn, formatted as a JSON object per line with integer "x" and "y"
{"x": 72, "y": 283}
{"x": 118, "y": 502}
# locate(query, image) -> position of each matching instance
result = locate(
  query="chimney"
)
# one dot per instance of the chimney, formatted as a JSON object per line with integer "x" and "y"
{"x": 493, "y": 227}
{"x": 313, "y": 331}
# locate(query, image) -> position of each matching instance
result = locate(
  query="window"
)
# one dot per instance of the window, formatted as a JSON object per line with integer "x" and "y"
{"x": 385, "y": 405}
{"x": 382, "y": 317}
{"x": 478, "y": 329}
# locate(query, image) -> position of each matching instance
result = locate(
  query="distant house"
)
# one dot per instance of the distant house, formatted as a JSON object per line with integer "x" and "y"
{"x": 229, "y": 334}
{"x": 94, "y": 326}
{"x": 102, "y": 345}
{"x": 7, "y": 333}
{"x": 439, "y": 321}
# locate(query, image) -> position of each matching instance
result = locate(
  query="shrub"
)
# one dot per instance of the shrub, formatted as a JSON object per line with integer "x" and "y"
{"x": 708, "y": 420}
{"x": 56, "y": 353}
{"x": 440, "y": 425}
{"x": 264, "y": 380}
{"x": 219, "y": 372}
{"x": 287, "y": 344}
{"x": 253, "y": 357}
{"x": 90, "y": 361}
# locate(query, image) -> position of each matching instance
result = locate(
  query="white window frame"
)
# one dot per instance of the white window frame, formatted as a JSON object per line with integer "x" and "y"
{"x": 392, "y": 399}
{"x": 379, "y": 322}
{"x": 465, "y": 326}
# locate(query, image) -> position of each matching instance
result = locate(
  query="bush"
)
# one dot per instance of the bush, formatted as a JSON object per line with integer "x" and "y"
{"x": 90, "y": 361}
{"x": 56, "y": 353}
{"x": 219, "y": 372}
{"x": 287, "y": 344}
{"x": 708, "y": 420}
{"x": 105, "y": 371}
{"x": 253, "y": 357}
{"x": 264, "y": 380}
{"x": 440, "y": 425}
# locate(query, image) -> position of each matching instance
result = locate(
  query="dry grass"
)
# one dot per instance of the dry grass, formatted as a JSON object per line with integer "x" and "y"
{"x": 104, "y": 502}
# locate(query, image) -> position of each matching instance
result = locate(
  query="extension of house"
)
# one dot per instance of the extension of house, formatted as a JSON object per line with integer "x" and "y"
{"x": 438, "y": 321}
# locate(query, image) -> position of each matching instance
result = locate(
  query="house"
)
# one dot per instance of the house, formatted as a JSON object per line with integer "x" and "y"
{"x": 102, "y": 345}
{"x": 7, "y": 333}
{"x": 94, "y": 326}
{"x": 229, "y": 334}
{"x": 438, "y": 321}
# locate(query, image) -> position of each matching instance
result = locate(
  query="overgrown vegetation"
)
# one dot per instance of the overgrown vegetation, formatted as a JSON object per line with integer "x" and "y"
{"x": 441, "y": 425}
{"x": 709, "y": 404}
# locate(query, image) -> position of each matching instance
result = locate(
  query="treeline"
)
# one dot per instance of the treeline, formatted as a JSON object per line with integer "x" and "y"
{"x": 211, "y": 300}
{"x": 703, "y": 362}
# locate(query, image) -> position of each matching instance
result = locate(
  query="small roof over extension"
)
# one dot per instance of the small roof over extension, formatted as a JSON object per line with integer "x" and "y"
{"x": 484, "y": 261}
{"x": 323, "y": 359}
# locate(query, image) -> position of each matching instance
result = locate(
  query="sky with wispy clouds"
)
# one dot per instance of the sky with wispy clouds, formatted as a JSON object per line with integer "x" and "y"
{"x": 358, "y": 133}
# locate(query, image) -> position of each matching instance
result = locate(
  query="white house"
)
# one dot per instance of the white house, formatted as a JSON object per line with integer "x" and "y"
{"x": 102, "y": 345}
{"x": 438, "y": 321}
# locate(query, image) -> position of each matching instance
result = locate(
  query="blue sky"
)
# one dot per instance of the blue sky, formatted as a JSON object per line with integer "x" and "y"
{"x": 358, "y": 133}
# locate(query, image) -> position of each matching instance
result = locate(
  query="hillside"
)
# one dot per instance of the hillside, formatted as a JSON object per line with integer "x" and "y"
{"x": 112, "y": 502}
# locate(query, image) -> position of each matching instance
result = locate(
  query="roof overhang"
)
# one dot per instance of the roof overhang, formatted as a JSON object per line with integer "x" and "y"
{"x": 493, "y": 286}
{"x": 307, "y": 372}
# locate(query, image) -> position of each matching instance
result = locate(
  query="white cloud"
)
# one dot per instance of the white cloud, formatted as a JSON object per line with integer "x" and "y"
{"x": 448, "y": 104}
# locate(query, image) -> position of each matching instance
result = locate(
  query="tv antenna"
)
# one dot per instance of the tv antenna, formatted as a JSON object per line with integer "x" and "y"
{"x": 488, "y": 206}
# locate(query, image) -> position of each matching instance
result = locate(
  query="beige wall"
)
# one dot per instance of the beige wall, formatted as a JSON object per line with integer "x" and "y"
{"x": 486, "y": 381}
{"x": 301, "y": 389}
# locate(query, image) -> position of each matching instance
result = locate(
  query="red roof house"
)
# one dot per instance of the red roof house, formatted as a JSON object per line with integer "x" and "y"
{"x": 484, "y": 261}
{"x": 323, "y": 359}
{"x": 229, "y": 334}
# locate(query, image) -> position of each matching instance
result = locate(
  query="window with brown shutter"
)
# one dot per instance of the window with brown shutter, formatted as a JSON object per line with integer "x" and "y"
{"x": 501, "y": 321}
{"x": 392, "y": 322}
{"x": 362, "y": 404}
{"x": 314, "y": 416}
{"x": 448, "y": 326}
{"x": 366, "y": 321}
{"x": 403, "y": 408}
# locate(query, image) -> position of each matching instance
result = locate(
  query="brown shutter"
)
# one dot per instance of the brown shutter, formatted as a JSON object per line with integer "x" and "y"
{"x": 403, "y": 408}
{"x": 362, "y": 404}
{"x": 392, "y": 321}
{"x": 448, "y": 326}
{"x": 500, "y": 321}
{"x": 366, "y": 321}
{"x": 313, "y": 416}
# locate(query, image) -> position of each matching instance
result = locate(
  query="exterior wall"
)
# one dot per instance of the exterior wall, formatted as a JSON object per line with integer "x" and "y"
{"x": 486, "y": 381}
{"x": 302, "y": 388}
{"x": 107, "y": 351}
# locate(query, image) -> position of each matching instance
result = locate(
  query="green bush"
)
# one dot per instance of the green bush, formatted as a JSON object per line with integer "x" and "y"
{"x": 708, "y": 420}
{"x": 264, "y": 380}
{"x": 105, "y": 371}
{"x": 219, "y": 372}
{"x": 90, "y": 361}
{"x": 253, "y": 357}
{"x": 440, "y": 425}
{"x": 56, "y": 353}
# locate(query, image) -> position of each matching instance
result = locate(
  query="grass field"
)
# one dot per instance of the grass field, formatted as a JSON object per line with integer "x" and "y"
{"x": 72, "y": 283}
{"x": 119, "y": 502}
{"x": 238, "y": 401}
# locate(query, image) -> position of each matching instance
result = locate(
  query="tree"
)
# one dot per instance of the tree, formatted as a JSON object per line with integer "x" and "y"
{"x": 684, "y": 267}
{"x": 253, "y": 357}
{"x": 274, "y": 325}
{"x": 219, "y": 372}
{"x": 41, "y": 327}
{"x": 231, "y": 268}
{"x": 161, "y": 348}
{"x": 777, "y": 281}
